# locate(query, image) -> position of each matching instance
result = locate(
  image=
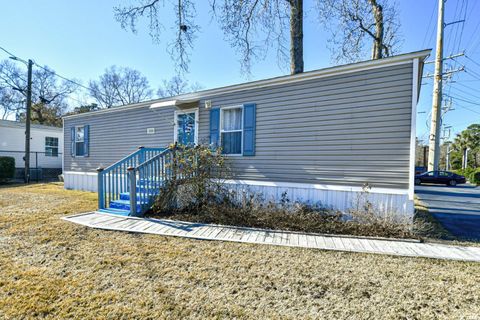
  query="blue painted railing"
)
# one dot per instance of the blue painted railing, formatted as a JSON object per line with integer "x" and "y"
{"x": 148, "y": 178}
{"x": 113, "y": 181}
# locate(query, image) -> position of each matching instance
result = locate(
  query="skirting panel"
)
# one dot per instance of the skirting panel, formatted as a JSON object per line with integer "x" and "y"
{"x": 85, "y": 181}
{"x": 393, "y": 202}
{"x": 336, "y": 197}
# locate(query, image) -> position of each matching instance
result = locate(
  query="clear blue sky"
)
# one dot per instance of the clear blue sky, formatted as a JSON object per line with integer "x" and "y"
{"x": 79, "y": 39}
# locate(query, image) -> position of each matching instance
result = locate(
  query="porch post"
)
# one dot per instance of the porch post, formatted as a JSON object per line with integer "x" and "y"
{"x": 141, "y": 156}
{"x": 133, "y": 191}
{"x": 100, "y": 189}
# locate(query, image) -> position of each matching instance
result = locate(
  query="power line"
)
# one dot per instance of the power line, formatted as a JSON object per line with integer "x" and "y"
{"x": 428, "y": 28}
{"x": 9, "y": 53}
{"x": 465, "y": 86}
{"x": 456, "y": 30}
{"x": 462, "y": 81}
{"x": 475, "y": 45}
{"x": 472, "y": 74}
{"x": 475, "y": 62}
{"x": 54, "y": 73}
{"x": 467, "y": 101}
{"x": 463, "y": 25}
{"x": 78, "y": 100}
{"x": 465, "y": 92}
{"x": 462, "y": 123}
{"x": 467, "y": 108}
{"x": 477, "y": 75}
{"x": 64, "y": 78}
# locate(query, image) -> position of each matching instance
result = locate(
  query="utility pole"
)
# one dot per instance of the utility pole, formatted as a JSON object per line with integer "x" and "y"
{"x": 425, "y": 158}
{"x": 434, "y": 141}
{"x": 27, "y": 122}
{"x": 447, "y": 160}
{"x": 465, "y": 158}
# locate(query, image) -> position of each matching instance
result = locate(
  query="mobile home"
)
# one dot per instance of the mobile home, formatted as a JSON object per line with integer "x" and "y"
{"x": 46, "y": 148}
{"x": 319, "y": 136}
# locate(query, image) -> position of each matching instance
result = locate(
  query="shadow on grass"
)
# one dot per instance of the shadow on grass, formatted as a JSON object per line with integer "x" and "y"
{"x": 16, "y": 184}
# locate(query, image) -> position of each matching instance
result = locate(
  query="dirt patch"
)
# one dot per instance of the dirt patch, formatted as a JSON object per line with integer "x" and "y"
{"x": 55, "y": 269}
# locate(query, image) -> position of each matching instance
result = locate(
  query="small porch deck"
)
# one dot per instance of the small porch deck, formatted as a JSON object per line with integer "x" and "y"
{"x": 408, "y": 248}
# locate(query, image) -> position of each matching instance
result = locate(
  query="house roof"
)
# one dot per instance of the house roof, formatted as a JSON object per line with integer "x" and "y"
{"x": 315, "y": 74}
{"x": 17, "y": 124}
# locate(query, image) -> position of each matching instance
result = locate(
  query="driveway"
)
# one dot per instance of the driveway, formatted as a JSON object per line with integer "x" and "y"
{"x": 456, "y": 208}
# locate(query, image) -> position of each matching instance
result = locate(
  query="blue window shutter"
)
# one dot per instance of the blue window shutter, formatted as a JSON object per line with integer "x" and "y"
{"x": 86, "y": 140}
{"x": 214, "y": 127}
{"x": 249, "y": 119}
{"x": 72, "y": 141}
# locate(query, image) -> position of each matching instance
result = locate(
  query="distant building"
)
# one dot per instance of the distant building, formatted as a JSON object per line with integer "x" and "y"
{"x": 46, "y": 148}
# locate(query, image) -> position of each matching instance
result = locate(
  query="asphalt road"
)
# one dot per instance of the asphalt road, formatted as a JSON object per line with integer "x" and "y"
{"x": 456, "y": 208}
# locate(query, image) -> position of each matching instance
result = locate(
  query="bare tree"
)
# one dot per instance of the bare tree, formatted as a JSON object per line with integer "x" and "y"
{"x": 10, "y": 102}
{"x": 11, "y": 84}
{"x": 353, "y": 23}
{"x": 254, "y": 26}
{"x": 49, "y": 94}
{"x": 250, "y": 26}
{"x": 120, "y": 86}
{"x": 185, "y": 27}
{"x": 176, "y": 86}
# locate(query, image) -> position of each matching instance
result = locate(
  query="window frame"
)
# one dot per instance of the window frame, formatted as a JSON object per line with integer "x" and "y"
{"x": 240, "y": 106}
{"x": 175, "y": 126}
{"x": 51, "y": 147}
{"x": 76, "y": 141}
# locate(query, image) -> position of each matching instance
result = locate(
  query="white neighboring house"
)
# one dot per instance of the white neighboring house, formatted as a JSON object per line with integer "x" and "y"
{"x": 46, "y": 147}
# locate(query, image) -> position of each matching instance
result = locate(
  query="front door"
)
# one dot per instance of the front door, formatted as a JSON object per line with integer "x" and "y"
{"x": 186, "y": 127}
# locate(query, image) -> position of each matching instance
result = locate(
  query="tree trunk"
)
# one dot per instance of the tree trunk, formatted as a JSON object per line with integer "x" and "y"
{"x": 296, "y": 36}
{"x": 378, "y": 40}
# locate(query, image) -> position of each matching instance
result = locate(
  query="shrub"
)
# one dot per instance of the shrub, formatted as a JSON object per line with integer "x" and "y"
{"x": 241, "y": 207}
{"x": 7, "y": 168}
{"x": 199, "y": 194}
{"x": 465, "y": 172}
{"x": 472, "y": 175}
{"x": 475, "y": 177}
{"x": 378, "y": 222}
{"x": 199, "y": 173}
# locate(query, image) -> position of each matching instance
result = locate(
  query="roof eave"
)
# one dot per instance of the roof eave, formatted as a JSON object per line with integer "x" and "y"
{"x": 357, "y": 66}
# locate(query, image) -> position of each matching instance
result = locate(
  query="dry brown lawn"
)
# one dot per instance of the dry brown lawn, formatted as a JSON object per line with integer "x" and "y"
{"x": 50, "y": 268}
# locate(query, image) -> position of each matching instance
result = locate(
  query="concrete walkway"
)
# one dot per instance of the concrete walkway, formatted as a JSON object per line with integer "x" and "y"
{"x": 281, "y": 238}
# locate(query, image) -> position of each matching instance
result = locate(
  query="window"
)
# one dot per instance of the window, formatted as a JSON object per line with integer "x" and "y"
{"x": 445, "y": 174}
{"x": 51, "y": 147}
{"x": 231, "y": 130}
{"x": 79, "y": 141}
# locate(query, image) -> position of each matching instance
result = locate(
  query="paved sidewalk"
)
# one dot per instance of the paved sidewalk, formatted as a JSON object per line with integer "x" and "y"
{"x": 281, "y": 238}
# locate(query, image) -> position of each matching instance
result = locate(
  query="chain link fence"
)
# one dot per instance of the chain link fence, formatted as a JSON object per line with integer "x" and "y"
{"x": 43, "y": 166}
